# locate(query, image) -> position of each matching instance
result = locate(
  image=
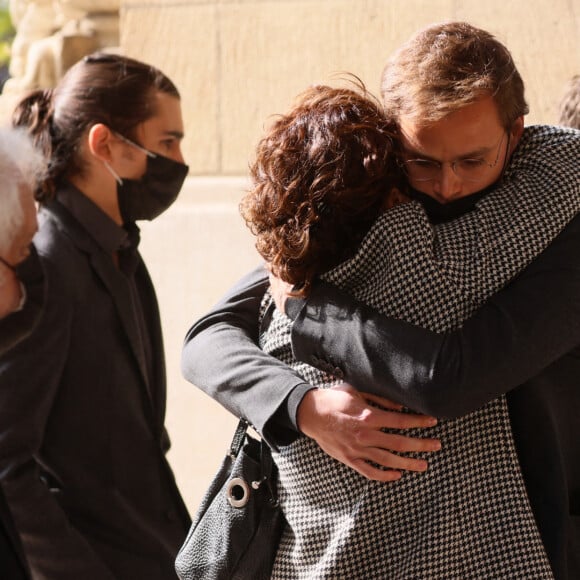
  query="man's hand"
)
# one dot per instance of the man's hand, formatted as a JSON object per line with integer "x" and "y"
{"x": 347, "y": 428}
{"x": 280, "y": 291}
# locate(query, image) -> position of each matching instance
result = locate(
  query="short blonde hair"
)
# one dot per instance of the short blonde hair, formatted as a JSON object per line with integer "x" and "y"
{"x": 446, "y": 67}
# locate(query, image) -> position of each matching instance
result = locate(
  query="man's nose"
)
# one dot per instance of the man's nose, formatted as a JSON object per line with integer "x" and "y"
{"x": 178, "y": 155}
{"x": 449, "y": 186}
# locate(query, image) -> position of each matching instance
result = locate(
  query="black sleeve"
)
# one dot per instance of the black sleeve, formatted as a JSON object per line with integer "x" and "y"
{"x": 518, "y": 332}
{"x": 18, "y": 325}
{"x": 221, "y": 356}
{"x": 29, "y": 382}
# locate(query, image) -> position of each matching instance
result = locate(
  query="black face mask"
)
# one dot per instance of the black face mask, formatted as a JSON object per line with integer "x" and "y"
{"x": 150, "y": 195}
{"x": 439, "y": 213}
{"x": 154, "y": 192}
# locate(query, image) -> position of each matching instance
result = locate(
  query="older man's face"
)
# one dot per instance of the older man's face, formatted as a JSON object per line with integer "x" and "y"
{"x": 20, "y": 246}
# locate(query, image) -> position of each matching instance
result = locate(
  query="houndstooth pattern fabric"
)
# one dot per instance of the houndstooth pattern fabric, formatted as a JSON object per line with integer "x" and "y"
{"x": 468, "y": 516}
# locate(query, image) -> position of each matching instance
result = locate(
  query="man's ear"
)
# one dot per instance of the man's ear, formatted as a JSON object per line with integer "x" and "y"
{"x": 395, "y": 197}
{"x": 99, "y": 141}
{"x": 516, "y": 133}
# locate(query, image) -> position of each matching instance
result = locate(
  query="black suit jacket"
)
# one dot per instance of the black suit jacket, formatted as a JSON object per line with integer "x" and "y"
{"x": 13, "y": 329}
{"x": 82, "y": 438}
{"x": 18, "y": 325}
{"x": 13, "y": 564}
{"x": 525, "y": 341}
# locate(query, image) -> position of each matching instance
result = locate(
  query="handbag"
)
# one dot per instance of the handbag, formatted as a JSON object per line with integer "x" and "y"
{"x": 238, "y": 525}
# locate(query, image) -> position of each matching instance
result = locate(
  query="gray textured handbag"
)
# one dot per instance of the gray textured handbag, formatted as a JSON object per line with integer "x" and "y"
{"x": 237, "y": 528}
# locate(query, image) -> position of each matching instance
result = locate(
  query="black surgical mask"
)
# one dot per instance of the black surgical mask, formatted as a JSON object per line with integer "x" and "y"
{"x": 439, "y": 213}
{"x": 150, "y": 195}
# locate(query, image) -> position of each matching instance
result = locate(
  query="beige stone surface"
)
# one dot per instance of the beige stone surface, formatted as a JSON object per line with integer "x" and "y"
{"x": 162, "y": 3}
{"x": 273, "y": 50}
{"x": 181, "y": 41}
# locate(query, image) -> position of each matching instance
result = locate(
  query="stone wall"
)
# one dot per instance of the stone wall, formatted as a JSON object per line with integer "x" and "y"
{"x": 238, "y": 61}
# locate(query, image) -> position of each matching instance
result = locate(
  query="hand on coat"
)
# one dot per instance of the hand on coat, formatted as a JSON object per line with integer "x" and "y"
{"x": 348, "y": 428}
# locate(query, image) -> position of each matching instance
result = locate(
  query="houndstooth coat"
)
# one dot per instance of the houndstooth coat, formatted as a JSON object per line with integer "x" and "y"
{"x": 468, "y": 517}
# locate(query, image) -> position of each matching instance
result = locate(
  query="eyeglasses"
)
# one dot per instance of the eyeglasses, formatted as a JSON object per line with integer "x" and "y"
{"x": 474, "y": 169}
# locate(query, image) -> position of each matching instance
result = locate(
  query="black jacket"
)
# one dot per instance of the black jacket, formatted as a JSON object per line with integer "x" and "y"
{"x": 82, "y": 441}
{"x": 13, "y": 329}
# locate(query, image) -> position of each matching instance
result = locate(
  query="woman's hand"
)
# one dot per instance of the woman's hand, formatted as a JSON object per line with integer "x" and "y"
{"x": 348, "y": 428}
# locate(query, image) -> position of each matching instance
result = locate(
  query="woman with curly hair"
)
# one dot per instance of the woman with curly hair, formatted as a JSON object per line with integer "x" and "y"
{"x": 322, "y": 175}
{"x": 325, "y": 203}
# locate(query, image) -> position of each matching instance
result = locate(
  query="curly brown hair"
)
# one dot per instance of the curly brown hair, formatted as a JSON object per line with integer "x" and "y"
{"x": 322, "y": 175}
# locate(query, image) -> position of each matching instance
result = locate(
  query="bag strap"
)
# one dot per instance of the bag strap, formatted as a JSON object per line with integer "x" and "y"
{"x": 268, "y": 473}
{"x": 238, "y": 439}
{"x": 267, "y": 465}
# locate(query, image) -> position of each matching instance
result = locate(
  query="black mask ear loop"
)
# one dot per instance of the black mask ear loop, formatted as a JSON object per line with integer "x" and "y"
{"x": 136, "y": 145}
{"x": 118, "y": 179}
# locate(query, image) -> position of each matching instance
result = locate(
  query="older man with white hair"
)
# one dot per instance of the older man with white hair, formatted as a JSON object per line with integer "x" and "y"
{"x": 21, "y": 285}
{"x": 20, "y": 273}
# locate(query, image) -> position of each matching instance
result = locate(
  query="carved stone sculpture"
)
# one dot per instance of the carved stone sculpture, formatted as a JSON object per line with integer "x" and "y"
{"x": 51, "y": 35}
